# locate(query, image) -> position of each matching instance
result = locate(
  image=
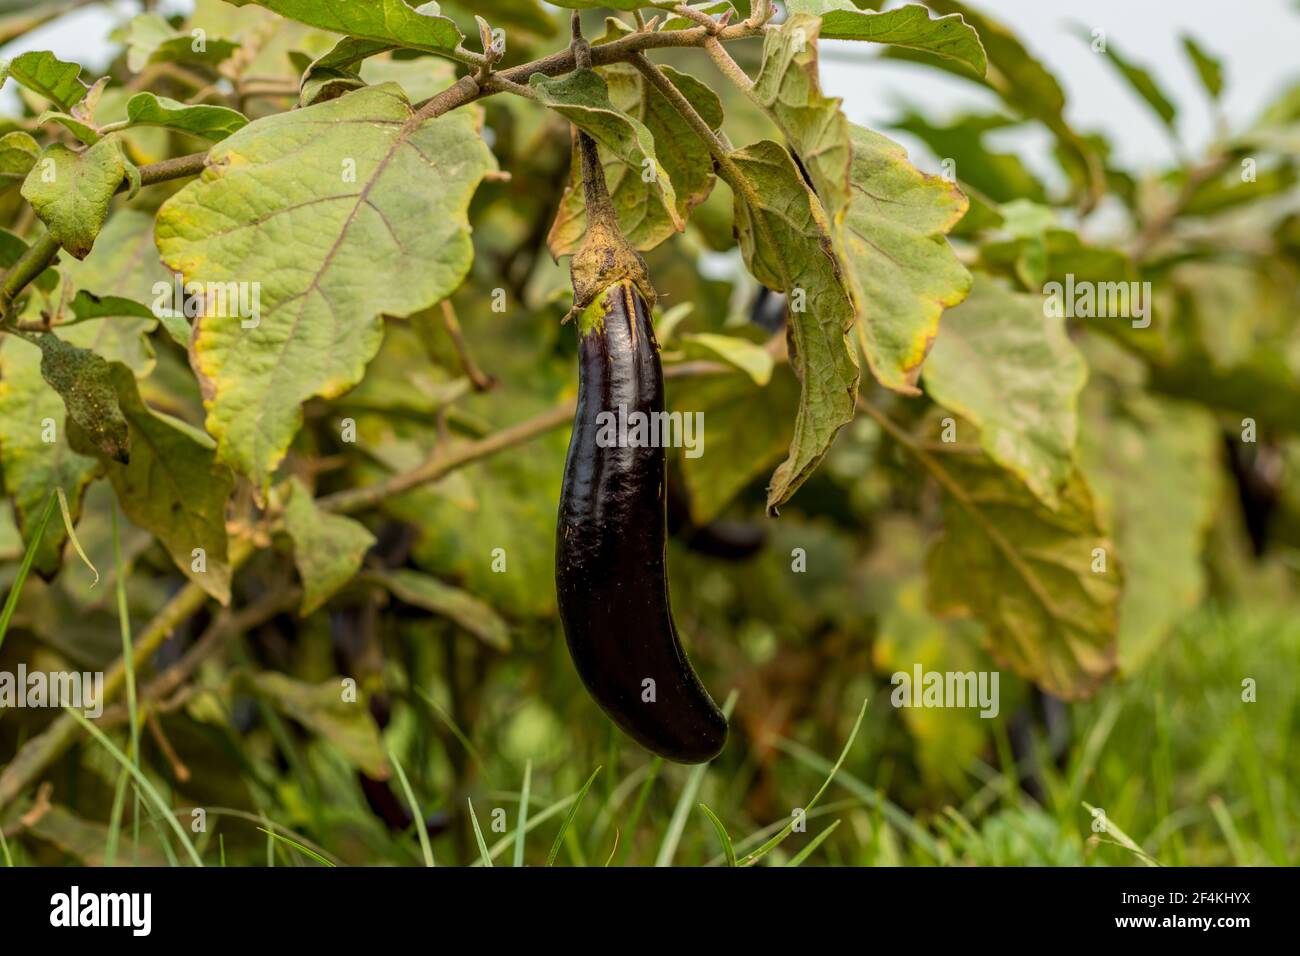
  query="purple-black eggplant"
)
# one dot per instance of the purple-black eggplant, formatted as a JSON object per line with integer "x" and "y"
{"x": 611, "y": 574}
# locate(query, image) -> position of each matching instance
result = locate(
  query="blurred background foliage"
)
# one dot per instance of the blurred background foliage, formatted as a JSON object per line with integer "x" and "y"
{"x": 464, "y": 668}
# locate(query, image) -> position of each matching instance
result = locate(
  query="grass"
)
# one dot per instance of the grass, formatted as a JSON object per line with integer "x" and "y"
{"x": 1185, "y": 771}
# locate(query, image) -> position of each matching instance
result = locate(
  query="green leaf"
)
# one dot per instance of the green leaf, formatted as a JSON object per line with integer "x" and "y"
{"x": 122, "y": 272}
{"x": 86, "y": 306}
{"x": 82, "y": 380}
{"x": 173, "y": 487}
{"x": 684, "y": 156}
{"x": 714, "y": 9}
{"x": 723, "y": 837}
{"x": 1136, "y": 445}
{"x": 430, "y": 594}
{"x": 341, "y": 199}
{"x": 749, "y": 357}
{"x": 71, "y": 191}
{"x": 530, "y": 16}
{"x": 1026, "y": 573}
{"x": 950, "y": 37}
{"x": 1208, "y": 67}
{"x": 1014, "y": 373}
{"x": 151, "y": 39}
{"x": 84, "y": 131}
{"x": 321, "y": 708}
{"x": 785, "y": 239}
{"x": 582, "y": 97}
{"x": 568, "y": 818}
{"x": 205, "y": 120}
{"x": 18, "y": 154}
{"x": 50, "y": 78}
{"x": 1001, "y": 177}
{"x": 391, "y": 21}
{"x": 1138, "y": 78}
{"x": 34, "y": 451}
{"x": 328, "y": 549}
{"x": 747, "y": 427}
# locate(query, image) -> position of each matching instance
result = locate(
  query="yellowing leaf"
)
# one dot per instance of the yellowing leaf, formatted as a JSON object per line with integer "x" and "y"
{"x": 1045, "y": 584}
{"x": 1012, "y": 371}
{"x": 335, "y": 214}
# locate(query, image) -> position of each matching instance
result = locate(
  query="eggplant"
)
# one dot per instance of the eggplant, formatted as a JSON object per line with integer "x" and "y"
{"x": 610, "y": 563}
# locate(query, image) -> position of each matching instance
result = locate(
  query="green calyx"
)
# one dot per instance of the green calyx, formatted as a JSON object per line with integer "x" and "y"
{"x": 606, "y": 257}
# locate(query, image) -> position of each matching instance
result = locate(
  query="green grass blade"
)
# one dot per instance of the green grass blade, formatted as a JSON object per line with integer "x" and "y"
{"x": 416, "y": 814}
{"x": 677, "y": 825}
{"x": 272, "y": 835}
{"x": 457, "y": 733}
{"x": 568, "y": 819}
{"x": 484, "y": 855}
{"x": 521, "y": 829}
{"x": 723, "y": 837}
{"x": 868, "y": 795}
{"x": 11, "y": 602}
{"x": 221, "y": 845}
{"x": 641, "y": 797}
{"x": 813, "y": 844}
{"x": 777, "y": 840}
{"x": 142, "y": 782}
{"x": 4, "y": 848}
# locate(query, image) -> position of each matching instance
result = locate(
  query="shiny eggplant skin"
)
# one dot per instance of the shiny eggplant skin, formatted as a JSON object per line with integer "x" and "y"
{"x": 610, "y": 565}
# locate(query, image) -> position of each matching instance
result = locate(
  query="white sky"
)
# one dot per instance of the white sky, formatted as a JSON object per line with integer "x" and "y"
{"x": 1257, "y": 41}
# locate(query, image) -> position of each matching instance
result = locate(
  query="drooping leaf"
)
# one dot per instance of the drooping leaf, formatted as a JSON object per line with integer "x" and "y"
{"x": 83, "y": 382}
{"x": 1013, "y": 372}
{"x": 173, "y": 487}
{"x": 950, "y": 37}
{"x": 685, "y": 158}
{"x": 34, "y": 450}
{"x": 49, "y": 77}
{"x": 888, "y": 220}
{"x": 583, "y": 98}
{"x": 71, "y": 191}
{"x": 361, "y": 191}
{"x": 1152, "y": 462}
{"x": 204, "y": 120}
{"x": 322, "y": 709}
{"x": 786, "y": 241}
{"x": 1030, "y": 575}
{"x": 327, "y": 548}
{"x": 430, "y": 594}
{"x": 18, "y": 154}
{"x": 393, "y": 21}
{"x": 903, "y": 271}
